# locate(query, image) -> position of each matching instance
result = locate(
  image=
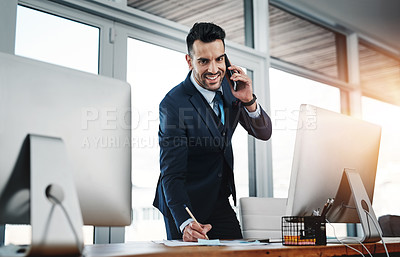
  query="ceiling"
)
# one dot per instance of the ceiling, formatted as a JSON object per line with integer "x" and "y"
{"x": 377, "y": 19}
{"x": 303, "y": 43}
{"x": 226, "y": 13}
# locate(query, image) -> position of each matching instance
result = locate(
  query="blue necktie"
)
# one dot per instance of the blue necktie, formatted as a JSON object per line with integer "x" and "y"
{"x": 220, "y": 104}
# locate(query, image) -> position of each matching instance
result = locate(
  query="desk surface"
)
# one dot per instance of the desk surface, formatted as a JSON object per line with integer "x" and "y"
{"x": 149, "y": 249}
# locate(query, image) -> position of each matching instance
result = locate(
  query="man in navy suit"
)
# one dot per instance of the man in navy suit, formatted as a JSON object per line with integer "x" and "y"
{"x": 197, "y": 121}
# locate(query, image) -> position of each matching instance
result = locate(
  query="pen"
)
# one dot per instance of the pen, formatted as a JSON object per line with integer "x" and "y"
{"x": 191, "y": 215}
{"x": 327, "y": 206}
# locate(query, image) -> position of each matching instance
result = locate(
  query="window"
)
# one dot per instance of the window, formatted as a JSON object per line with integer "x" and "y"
{"x": 57, "y": 40}
{"x": 241, "y": 162}
{"x": 387, "y": 175}
{"x": 147, "y": 78}
{"x": 293, "y": 40}
{"x": 287, "y": 93}
{"x": 60, "y": 41}
{"x": 152, "y": 70}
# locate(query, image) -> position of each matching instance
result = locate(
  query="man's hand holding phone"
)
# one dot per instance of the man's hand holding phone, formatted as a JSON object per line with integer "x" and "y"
{"x": 241, "y": 84}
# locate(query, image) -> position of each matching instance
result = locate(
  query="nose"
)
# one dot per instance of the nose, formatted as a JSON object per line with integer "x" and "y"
{"x": 213, "y": 67}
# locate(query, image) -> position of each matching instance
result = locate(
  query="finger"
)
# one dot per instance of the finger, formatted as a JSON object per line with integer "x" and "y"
{"x": 193, "y": 235}
{"x": 240, "y": 78}
{"x": 189, "y": 238}
{"x": 195, "y": 226}
{"x": 185, "y": 237}
{"x": 237, "y": 69}
{"x": 197, "y": 231}
{"x": 237, "y": 77}
{"x": 188, "y": 235}
{"x": 207, "y": 228}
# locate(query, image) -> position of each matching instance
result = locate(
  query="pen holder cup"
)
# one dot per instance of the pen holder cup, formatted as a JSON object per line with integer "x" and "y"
{"x": 307, "y": 230}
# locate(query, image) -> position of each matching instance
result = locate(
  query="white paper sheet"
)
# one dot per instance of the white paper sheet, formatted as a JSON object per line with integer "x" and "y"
{"x": 213, "y": 242}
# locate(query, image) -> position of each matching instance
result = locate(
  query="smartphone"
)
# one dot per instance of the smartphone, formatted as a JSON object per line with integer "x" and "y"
{"x": 229, "y": 73}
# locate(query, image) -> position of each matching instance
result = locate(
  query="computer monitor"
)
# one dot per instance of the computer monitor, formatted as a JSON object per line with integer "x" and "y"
{"x": 65, "y": 135}
{"x": 326, "y": 144}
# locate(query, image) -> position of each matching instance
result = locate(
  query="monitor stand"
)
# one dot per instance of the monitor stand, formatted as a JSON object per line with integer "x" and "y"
{"x": 55, "y": 213}
{"x": 351, "y": 180}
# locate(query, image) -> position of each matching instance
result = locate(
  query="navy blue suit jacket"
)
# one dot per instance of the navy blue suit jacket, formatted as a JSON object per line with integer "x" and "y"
{"x": 193, "y": 148}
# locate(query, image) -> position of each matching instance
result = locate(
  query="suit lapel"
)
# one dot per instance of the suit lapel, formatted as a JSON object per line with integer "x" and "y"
{"x": 206, "y": 114}
{"x": 200, "y": 105}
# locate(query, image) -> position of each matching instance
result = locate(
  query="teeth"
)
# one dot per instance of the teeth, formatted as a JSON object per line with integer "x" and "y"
{"x": 212, "y": 78}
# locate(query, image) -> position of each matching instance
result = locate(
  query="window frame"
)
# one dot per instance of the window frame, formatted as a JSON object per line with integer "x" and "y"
{"x": 116, "y": 21}
{"x": 112, "y": 18}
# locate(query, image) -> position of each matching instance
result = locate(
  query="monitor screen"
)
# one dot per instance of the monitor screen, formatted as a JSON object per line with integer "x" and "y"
{"x": 89, "y": 113}
{"x": 327, "y": 143}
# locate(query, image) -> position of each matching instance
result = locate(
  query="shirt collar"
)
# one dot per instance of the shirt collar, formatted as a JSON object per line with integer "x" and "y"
{"x": 207, "y": 94}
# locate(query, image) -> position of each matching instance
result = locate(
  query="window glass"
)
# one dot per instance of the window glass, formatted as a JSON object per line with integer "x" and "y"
{"x": 288, "y": 92}
{"x": 152, "y": 72}
{"x": 57, "y": 40}
{"x": 387, "y": 175}
{"x": 146, "y": 79}
{"x": 241, "y": 162}
{"x": 60, "y": 41}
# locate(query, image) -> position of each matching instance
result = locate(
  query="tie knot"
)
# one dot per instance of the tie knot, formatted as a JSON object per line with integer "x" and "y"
{"x": 218, "y": 96}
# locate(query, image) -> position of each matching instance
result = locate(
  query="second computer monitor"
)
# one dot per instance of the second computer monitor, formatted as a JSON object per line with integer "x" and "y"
{"x": 327, "y": 143}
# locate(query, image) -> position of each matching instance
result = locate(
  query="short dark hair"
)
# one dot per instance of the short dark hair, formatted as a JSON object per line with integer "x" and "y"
{"x": 206, "y": 32}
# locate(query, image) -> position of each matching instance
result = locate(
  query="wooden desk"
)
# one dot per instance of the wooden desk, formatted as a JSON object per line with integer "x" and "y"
{"x": 149, "y": 249}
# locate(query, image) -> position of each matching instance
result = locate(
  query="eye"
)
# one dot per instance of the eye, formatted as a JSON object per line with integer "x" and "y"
{"x": 220, "y": 59}
{"x": 203, "y": 61}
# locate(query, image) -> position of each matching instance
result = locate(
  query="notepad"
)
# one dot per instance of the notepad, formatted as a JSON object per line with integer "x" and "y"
{"x": 208, "y": 242}
{"x": 213, "y": 242}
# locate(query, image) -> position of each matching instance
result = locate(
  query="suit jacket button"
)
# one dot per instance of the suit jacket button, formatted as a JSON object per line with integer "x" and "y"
{"x": 220, "y": 175}
{"x": 223, "y": 134}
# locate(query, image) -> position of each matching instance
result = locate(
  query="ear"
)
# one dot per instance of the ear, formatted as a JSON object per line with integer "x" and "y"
{"x": 189, "y": 61}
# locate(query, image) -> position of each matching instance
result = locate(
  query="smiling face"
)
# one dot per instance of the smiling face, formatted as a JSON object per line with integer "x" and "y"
{"x": 207, "y": 62}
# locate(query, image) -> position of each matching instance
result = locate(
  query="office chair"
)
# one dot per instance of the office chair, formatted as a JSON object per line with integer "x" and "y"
{"x": 390, "y": 225}
{"x": 261, "y": 217}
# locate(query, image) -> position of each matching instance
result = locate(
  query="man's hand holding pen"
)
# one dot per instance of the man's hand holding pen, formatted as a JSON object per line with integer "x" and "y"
{"x": 194, "y": 231}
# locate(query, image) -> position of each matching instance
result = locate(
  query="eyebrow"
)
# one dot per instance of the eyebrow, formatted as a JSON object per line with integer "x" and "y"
{"x": 206, "y": 59}
{"x": 202, "y": 59}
